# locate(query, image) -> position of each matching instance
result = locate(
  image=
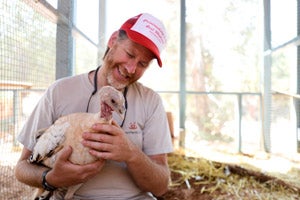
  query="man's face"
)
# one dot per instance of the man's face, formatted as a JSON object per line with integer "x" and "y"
{"x": 126, "y": 62}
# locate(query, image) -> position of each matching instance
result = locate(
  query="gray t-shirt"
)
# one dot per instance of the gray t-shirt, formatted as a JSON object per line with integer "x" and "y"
{"x": 145, "y": 124}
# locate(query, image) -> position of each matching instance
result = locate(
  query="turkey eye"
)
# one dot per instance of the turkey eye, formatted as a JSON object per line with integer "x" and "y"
{"x": 113, "y": 101}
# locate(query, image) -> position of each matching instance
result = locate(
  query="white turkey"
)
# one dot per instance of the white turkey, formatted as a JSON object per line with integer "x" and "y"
{"x": 67, "y": 131}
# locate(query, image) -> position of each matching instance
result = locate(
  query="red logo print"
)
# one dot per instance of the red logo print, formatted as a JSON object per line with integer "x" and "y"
{"x": 132, "y": 125}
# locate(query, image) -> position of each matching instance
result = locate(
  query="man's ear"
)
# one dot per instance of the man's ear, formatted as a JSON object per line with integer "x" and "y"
{"x": 112, "y": 39}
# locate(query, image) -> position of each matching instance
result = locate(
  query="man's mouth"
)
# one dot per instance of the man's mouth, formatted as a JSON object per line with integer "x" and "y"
{"x": 122, "y": 74}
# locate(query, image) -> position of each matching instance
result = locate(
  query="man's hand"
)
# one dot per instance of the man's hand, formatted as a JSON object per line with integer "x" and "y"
{"x": 65, "y": 173}
{"x": 110, "y": 142}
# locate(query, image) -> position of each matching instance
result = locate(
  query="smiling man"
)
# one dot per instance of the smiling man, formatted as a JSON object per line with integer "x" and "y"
{"x": 132, "y": 152}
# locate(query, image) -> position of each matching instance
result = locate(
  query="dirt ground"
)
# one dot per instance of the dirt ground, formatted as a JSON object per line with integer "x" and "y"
{"x": 265, "y": 192}
{"x": 198, "y": 178}
{"x": 10, "y": 188}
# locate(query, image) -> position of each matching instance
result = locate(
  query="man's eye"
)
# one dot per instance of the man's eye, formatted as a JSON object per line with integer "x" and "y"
{"x": 143, "y": 65}
{"x": 130, "y": 55}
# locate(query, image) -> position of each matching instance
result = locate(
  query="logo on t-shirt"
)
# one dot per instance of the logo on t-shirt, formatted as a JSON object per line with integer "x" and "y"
{"x": 132, "y": 126}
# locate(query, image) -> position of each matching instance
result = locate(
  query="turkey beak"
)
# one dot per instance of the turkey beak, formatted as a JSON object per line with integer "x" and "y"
{"x": 121, "y": 111}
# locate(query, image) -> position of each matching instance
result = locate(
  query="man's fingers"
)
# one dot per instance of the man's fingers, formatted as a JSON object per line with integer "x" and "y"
{"x": 65, "y": 153}
{"x": 115, "y": 123}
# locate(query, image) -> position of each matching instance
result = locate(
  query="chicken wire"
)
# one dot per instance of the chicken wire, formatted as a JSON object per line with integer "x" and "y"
{"x": 27, "y": 67}
{"x": 283, "y": 125}
{"x": 31, "y": 33}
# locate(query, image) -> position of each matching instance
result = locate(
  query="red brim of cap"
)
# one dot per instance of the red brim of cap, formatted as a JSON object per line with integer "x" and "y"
{"x": 144, "y": 41}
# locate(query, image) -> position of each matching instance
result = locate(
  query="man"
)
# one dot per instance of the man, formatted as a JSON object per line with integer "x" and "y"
{"x": 132, "y": 153}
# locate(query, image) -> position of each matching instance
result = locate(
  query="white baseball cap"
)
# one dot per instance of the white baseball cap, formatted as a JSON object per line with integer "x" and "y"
{"x": 147, "y": 31}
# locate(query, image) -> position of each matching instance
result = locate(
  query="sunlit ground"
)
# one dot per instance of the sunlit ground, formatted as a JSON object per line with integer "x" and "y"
{"x": 283, "y": 162}
{"x": 9, "y": 154}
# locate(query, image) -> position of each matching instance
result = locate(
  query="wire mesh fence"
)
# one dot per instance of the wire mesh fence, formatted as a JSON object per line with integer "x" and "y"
{"x": 27, "y": 53}
{"x": 283, "y": 131}
{"x": 30, "y": 34}
{"x": 28, "y": 61}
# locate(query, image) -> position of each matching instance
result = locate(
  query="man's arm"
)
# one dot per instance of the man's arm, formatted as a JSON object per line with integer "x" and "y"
{"x": 150, "y": 173}
{"x": 28, "y": 173}
{"x": 63, "y": 174}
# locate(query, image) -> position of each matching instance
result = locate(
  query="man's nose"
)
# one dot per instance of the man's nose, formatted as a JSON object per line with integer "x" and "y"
{"x": 131, "y": 68}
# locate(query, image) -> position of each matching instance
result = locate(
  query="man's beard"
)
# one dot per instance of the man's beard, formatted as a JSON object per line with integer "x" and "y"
{"x": 112, "y": 82}
{"x": 109, "y": 73}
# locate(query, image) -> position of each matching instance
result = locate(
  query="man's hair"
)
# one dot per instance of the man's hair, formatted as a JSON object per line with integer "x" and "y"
{"x": 121, "y": 36}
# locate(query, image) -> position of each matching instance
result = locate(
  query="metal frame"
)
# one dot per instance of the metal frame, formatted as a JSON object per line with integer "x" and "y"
{"x": 297, "y": 101}
{"x": 66, "y": 54}
{"x": 182, "y": 73}
{"x": 266, "y": 92}
{"x": 266, "y": 83}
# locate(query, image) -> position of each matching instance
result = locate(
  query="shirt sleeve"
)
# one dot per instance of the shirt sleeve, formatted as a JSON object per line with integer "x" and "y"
{"x": 41, "y": 117}
{"x": 157, "y": 136}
